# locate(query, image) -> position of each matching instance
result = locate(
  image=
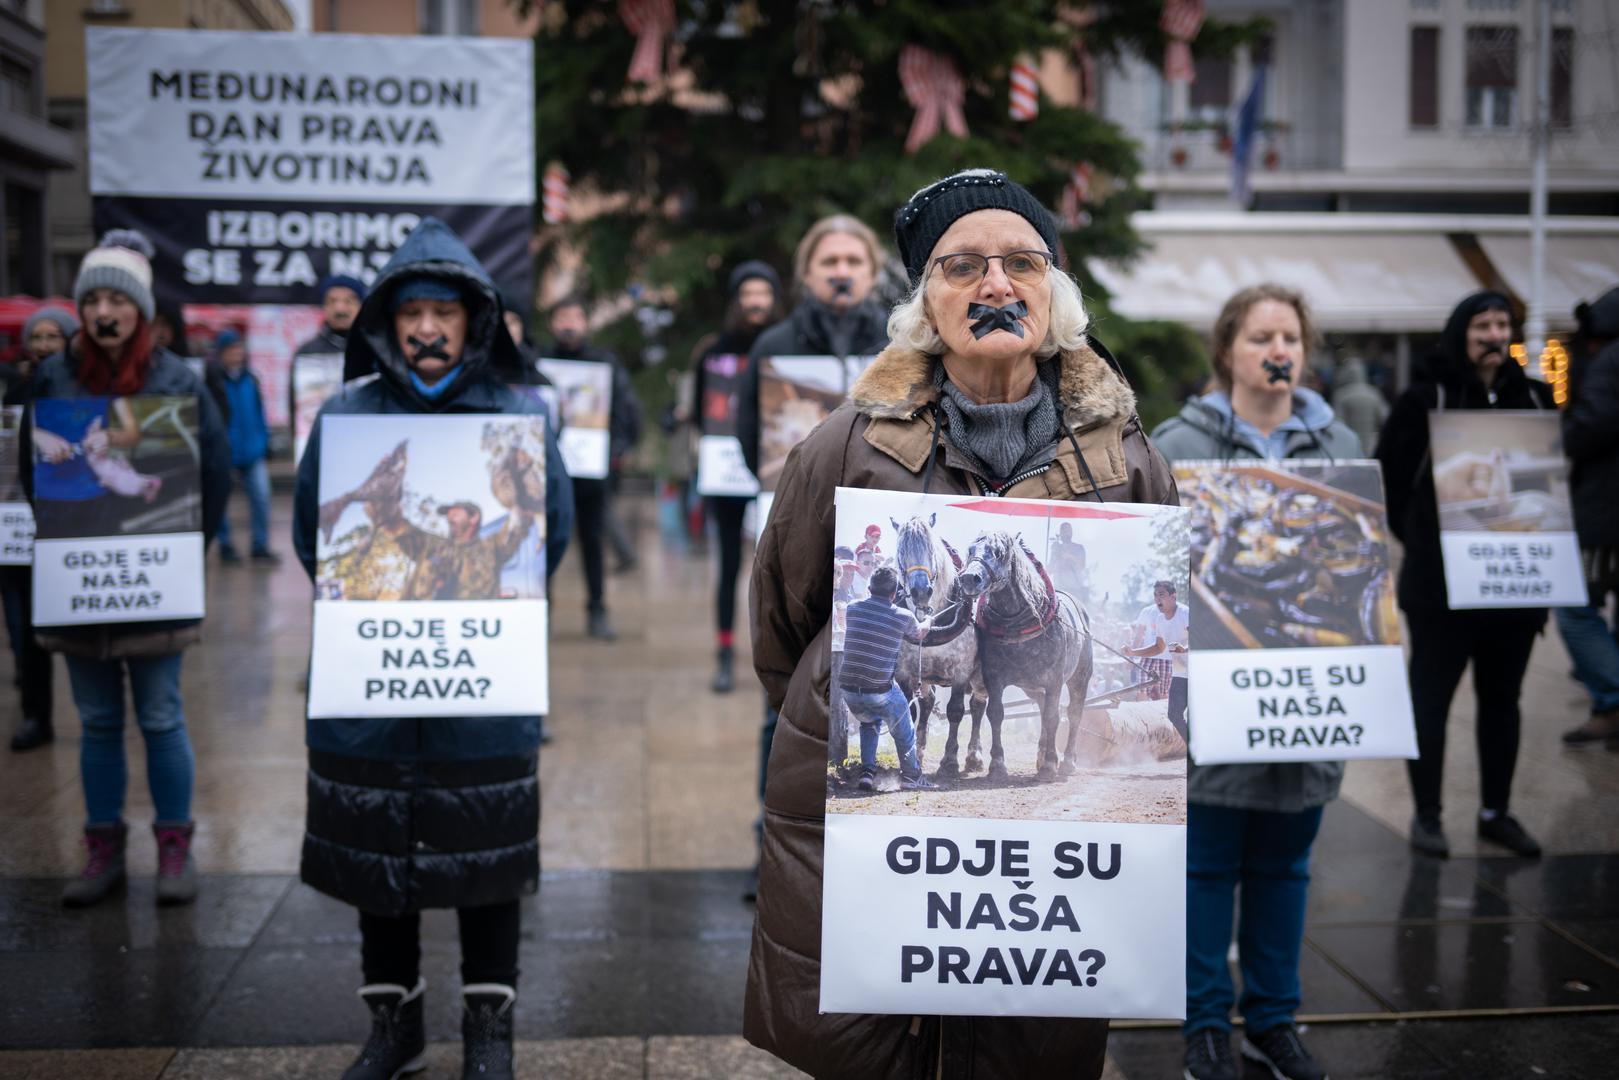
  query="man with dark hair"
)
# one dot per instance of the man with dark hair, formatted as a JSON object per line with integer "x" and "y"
{"x": 1163, "y": 627}
{"x": 593, "y": 498}
{"x": 321, "y": 356}
{"x": 875, "y": 630}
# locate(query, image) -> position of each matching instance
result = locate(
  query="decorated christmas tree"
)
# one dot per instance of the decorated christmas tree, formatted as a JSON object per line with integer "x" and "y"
{"x": 713, "y": 132}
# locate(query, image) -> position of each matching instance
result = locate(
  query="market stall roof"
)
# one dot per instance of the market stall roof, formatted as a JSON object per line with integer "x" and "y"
{"x": 1387, "y": 273}
{"x": 1577, "y": 268}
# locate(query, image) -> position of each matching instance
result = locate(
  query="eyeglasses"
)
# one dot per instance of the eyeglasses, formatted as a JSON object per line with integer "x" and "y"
{"x": 965, "y": 269}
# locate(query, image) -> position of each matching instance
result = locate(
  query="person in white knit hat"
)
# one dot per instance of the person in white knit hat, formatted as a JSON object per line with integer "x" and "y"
{"x": 113, "y": 356}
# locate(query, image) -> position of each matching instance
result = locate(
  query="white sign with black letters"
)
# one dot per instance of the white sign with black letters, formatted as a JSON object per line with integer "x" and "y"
{"x": 118, "y": 579}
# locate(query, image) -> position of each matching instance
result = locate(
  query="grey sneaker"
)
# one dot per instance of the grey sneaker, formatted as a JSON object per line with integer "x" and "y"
{"x": 1280, "y": 1050}
{"x": 103, "y": 865}
{"x": 176, "y": 869}
{"x": 1208, "y": 1056}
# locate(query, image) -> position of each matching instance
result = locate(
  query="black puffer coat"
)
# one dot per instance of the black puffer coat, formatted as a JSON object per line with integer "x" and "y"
{"x": 424, "y": 812}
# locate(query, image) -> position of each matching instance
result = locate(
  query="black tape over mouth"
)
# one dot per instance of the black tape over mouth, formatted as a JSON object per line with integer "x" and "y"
{"x": 434, "y": 349}
{"x": 106, "y": 328}
{"x": 989, "y": 318}
{"x": 842, "y": 286}
{"x": 1282, "y": 372}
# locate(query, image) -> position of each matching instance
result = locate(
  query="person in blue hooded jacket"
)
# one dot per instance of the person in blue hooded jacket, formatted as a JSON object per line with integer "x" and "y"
{"x": 1250, "y": 828}
{"x": 231, "y": 380}
{"x": 406, "y": 814}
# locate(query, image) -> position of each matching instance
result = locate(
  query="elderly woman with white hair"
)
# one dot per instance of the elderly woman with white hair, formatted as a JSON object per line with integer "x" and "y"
{"x": 990, "y": 387}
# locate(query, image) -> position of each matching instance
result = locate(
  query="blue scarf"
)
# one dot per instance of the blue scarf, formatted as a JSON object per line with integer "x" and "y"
{"x": 435, "y": 391}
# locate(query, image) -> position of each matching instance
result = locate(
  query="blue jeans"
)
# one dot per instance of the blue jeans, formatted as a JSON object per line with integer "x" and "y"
{"x": 872, "y": 710}
{"x": 255, "y": 480}
{"x": 1595, "y": 650}
{"x": 98, "y": 691}
{"x": 1265, "y": 857}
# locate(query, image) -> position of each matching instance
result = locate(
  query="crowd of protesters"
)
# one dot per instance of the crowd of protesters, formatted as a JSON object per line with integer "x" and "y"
{"x": 1009, "y": 418}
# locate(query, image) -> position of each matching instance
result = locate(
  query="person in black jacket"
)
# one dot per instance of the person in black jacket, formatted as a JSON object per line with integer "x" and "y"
{"x": 1591, "y": 441}
{"x": 45, "y": 334}
{"x": 340, "y": 299}
{"x": 113, "y": 357}
{"x": 1469, "y": 369}
{"x": 593, "y": 498}
{"x": 414, "y": 813}
{"x": 835, "y": 269}
{"x": 754, "y": 293}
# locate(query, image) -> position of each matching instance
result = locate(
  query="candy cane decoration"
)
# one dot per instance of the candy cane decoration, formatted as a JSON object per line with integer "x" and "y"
{"x": 935, "y": 90}
{"x": 1025, "y": 91}
{"x": 650, "y": 21}
{"x": 554, "y": 207}
{"x": 1181, "y": 21}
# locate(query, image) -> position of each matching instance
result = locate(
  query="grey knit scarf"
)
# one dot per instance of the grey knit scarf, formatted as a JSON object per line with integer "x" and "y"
{"x": 1001, "y": 440}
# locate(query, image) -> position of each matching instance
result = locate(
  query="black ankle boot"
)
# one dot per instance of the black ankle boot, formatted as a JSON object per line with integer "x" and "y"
{"x": 398, "y": 1042}
{"x": 32, "y": 733}
{"x": 486, "y": 1031}
{"x": 724, "y": 682}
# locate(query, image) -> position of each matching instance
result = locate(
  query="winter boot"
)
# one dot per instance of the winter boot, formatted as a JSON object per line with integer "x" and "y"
{"x": 103, "y": 867}
{"x": 398, "y": 1042}
{"x": 31, "y": 733}
{"x": 724, "y": 682}
{"x": 486, "y": 1031}
{"x": 176, "y": 870}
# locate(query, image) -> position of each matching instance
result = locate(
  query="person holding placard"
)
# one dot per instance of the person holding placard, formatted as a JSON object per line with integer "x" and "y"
{"x": 113, "y": 358}
{"x": 1469, "y": 369}
{"x": 417, "y": 812}
{"x": 1250, "y": 828}
{"x": 1029, "y": 408}
{"x": 570, "y": 329}
{"x": 45, "y": 334}
{"x": 753, "y": 292}
{"x": 321, "y": 357}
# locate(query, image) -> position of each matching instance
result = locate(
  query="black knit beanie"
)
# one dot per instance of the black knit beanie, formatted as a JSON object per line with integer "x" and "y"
{"x": 748, "y": 271}
{"x": 931, "y": 211}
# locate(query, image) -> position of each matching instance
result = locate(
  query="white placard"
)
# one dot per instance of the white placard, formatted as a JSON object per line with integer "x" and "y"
{"x": 16, "y": 534}
{"x": 429, "y": 658}
{"x": 1313, "y": 704}
{"x": 1513, "y": 570}
{"x": 213, "y": 114}
{"x": 316, "y": 377}
{"x": 118, "y": 579}
{"x": 1053, "y": 918}
{"x": 584, "y": 390}
{"x": 721, "y": 468}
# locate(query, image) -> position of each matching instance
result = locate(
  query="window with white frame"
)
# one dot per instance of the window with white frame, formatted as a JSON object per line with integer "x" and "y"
{"x": 1492, "y": 77}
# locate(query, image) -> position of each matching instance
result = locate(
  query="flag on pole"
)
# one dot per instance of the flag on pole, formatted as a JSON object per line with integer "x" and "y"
{"x": 1242, "y": 144}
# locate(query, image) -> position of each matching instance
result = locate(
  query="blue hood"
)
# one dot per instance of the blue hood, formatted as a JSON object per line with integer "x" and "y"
{"x": 433, "y": 250}
{"x": 1212, "y": 411}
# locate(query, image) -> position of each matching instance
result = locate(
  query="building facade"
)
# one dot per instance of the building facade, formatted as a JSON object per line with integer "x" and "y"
{"x": 69, "y": 227}
{"x": 30, "y": 150}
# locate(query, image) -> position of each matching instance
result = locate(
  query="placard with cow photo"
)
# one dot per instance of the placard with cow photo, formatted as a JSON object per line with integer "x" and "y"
{"x": 721, "y": 468}
{"x": 117, "y": 510}
{"x": 1294, "y": 645}
{"x": 1004, "y": 787}
{"x": 16, "y": 516}
{"x": 1506, "y": 523}
{"x": 796, "y": 393}
{"x": 430, "y": 567}
{"x": 584, "y": 391}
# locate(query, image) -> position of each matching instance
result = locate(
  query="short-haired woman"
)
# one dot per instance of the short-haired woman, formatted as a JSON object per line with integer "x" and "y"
{"x": 1249, "y": 828}
{"x": 1036, "y": 412}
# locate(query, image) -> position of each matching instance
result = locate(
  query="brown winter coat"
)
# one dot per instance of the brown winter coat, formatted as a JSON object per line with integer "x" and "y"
{"x": 880, "y": 439}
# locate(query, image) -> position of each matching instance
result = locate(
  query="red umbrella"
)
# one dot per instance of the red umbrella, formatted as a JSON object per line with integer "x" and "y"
{"x": 1017, "y": 508}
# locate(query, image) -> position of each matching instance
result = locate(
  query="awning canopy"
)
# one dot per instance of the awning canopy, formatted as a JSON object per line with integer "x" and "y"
{"x": 1577, "y": 268}
{"x": 1382, "y": 273}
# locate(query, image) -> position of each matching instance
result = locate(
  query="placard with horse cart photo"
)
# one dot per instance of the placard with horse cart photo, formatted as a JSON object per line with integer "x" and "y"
{"x": 1003, "y": 780}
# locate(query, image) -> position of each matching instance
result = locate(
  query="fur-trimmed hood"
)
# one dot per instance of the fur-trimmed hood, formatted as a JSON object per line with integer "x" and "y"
{"x": 899, "y": 384}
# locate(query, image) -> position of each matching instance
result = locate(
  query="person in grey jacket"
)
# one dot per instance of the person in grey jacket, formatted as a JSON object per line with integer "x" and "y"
{"x": 1358, "y": 403}
{"x": 1251, "y": 827}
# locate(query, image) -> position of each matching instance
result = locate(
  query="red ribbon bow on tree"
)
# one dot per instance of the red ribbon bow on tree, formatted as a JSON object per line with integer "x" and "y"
{"x": 934, "y": 88}
{"x": 649, "y": 21}
{"x": 1182, "y": 19}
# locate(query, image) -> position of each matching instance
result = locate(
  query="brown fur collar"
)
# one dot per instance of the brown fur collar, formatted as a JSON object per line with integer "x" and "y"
{"x": 899, "y": 384}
